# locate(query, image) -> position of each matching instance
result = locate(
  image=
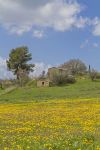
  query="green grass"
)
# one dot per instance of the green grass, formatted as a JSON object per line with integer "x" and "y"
{"x": 81, "y": 89}
{"x": 1, "y": 90}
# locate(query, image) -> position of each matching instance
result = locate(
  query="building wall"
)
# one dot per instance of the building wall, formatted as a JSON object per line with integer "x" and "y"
{"x": 43, "y": 83}
{"x": 54, "y": 70}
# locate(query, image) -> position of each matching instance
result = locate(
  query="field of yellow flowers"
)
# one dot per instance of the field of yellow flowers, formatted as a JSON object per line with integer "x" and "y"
{"x": 50, "y": 125}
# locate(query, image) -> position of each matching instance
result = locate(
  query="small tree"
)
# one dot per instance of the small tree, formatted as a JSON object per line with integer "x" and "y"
{"x": 18, "y": 62}
{"x": 93, "y": 74}
{"x": 23, "y": 77}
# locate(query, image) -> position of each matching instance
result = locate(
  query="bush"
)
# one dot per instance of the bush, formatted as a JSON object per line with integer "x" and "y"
{"x": 62, "y": 78}
{"x": 93, "y": 74}
{"x": 98, "y": 76}
{"x": 71, "y": 79}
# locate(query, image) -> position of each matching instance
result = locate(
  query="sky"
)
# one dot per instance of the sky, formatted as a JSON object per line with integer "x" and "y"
{"x": 54, "y": 31}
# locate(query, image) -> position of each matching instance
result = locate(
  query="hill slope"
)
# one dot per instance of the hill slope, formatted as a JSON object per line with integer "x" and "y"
{"x": 81, "y": 89}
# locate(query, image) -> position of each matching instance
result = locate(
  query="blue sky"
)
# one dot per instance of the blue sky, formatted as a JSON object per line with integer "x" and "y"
{"x": 54, "y": 30}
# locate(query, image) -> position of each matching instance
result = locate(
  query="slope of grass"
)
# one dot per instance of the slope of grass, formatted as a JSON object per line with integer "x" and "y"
{"x": 0, "y": 90}
{"x": 8, "y": 90}
{"x": 81, "y": 89}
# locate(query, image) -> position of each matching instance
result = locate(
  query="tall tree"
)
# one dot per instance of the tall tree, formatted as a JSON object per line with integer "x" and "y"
{"x": 18, "y": 61}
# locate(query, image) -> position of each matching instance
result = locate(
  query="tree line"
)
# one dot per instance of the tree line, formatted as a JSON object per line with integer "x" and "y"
{"x": 18, "y": 63}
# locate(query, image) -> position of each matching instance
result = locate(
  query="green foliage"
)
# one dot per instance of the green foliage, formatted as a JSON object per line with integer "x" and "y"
{"x": 98, "y": 75}
{"x": 62, "y": 78}
{"x": 58, "y": 78}
{"x": 1, "y": 86}
{"x": 18, "y": 59}
{"x": 71, "y": 79}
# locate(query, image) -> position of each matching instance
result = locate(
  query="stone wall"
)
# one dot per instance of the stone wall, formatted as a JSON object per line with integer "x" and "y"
{"x": 43, "y": 83}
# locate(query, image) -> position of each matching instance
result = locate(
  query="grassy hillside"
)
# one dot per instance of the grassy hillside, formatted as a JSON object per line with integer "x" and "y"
{"x": 81, "y": 89}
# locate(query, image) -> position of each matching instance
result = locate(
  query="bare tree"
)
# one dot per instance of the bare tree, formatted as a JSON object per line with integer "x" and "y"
{"x": 93, "y": 74}
{"x": 75, "y": 67}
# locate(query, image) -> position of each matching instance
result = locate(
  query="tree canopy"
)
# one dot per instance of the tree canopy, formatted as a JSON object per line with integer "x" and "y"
{"x": 18, "y": 61}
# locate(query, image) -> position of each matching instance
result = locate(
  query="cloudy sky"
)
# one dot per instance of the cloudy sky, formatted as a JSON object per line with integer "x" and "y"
{"x": 54, "y": 30}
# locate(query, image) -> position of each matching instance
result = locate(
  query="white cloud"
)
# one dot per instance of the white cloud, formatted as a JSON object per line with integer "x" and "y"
{"x": 39, "y": 68}
{"x": 96, "y": 24}
{"x": 89, "y": 43}
{"x": 19, "y": 30}
{"x": 5, "y": 74}
{"x": 19, "y": 16}
{"x": 38, "y": 33}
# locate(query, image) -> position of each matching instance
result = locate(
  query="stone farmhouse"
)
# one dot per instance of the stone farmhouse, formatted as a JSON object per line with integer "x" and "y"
{"x": 45, "y": 82}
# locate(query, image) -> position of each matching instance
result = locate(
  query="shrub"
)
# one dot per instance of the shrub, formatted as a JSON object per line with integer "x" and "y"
{"x": 98, "y": 76}
{"x": 62, "y": 78}
{"x": 71, "y": 79}
{"x": 93, "y": 74}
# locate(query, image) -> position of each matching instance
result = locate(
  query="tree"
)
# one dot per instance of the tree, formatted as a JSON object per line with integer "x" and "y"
{"x": 61, "y": 78}
{"x": 18, "y": 61}
{"x": 93, "y": 74}
{"x": 75, "y": 67}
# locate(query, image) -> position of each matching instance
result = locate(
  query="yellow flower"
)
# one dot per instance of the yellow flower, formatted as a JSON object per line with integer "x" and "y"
{"x": 98, "y": 148}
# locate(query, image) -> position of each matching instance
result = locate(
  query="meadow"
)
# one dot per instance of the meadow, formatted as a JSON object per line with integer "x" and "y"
{"x": 51, "y": 125}
{"x": 81, "y": 89}
{"x": 52, "y": 118}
